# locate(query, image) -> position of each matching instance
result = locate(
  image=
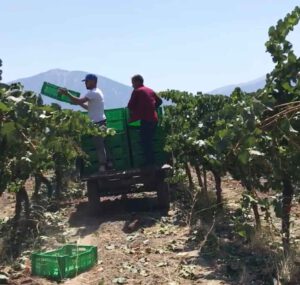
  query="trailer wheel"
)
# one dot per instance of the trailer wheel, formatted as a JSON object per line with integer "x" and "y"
{"x": 163, "y": 195}
{"x": 93, "y": 197}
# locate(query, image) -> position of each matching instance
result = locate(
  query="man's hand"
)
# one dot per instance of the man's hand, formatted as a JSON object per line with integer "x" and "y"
{"x": 75, "y": 100}
{"x": 63, "y": 91}
{"x": 158, "y": 102}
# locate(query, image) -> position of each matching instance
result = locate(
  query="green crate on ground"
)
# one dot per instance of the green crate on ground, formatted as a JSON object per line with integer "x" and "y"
{"x": 51, "y": 90}
{"x": 66, "y": 262}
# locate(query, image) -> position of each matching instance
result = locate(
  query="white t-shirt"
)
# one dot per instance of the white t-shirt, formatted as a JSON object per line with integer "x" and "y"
{"x": 96, "y": 105}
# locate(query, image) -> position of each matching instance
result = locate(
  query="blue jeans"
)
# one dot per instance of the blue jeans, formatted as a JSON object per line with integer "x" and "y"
{"x": 147, "y": 132}
{"x": 101, "y": 150}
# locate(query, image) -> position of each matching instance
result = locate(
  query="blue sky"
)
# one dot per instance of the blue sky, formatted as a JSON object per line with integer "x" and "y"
{"x": 178, "y": 44}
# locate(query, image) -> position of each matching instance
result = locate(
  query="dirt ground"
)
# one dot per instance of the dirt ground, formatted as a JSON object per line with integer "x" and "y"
{"x": 137, "y": 244}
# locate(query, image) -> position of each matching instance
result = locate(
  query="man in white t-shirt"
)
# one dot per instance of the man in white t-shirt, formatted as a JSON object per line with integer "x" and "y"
{"x": 93, "y": 102}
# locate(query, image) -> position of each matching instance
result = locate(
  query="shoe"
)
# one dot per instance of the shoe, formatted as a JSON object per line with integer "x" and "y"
{"x": 102, "y": 168}
{"x": 109, "y": 165}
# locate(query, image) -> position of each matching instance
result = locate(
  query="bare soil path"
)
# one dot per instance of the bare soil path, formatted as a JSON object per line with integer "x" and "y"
{"x": 137, "y": 244}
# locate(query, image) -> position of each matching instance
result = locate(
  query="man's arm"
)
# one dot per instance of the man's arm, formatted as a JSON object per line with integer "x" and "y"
{"x": 133, "y": 101}
{"x": 84, "y": 106}
{"x": 75, "y": 100}
{"x": 158, "y": 101}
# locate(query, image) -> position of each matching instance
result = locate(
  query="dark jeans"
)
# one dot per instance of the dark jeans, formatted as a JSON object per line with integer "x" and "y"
{"x": 147, "y": 137}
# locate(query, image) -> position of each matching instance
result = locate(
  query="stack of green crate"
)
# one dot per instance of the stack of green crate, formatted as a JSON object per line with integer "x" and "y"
{"x": 117, "y": 145}
{"x": 138, "y": 158}
{"x": 137, "y": 154}
{"x": 124, "y": 148}
{"x": 88, "y": 147}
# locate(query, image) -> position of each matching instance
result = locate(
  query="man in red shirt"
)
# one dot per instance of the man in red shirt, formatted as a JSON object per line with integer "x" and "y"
{"x": 142, "y": 106}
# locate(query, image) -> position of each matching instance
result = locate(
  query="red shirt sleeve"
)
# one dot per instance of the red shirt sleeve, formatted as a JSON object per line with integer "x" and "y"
{"x": 132, "y": 104}
{"x": 158, "y": 100}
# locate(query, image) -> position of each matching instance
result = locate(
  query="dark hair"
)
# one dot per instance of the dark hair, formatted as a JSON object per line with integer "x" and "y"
{"x": 138, "y": 78}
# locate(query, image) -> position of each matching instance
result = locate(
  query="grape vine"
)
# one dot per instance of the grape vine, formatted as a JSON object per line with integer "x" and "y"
{"x": 254, "y": 137}
{"x": 35, "y": 139}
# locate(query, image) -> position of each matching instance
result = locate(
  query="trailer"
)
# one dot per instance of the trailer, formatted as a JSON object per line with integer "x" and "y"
{"x": 113, "y": 183}
{"x": 128, "y": 174}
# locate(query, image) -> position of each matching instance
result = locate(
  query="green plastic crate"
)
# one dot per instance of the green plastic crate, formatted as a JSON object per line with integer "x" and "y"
{"x": 117, "y": 147}
{"x": 51, "y": 90}
{"x": 124, "y": 147}
{"x": 120, "y": 160}
{"x": 117, "y": 125}
{"x": 118, "y": 152}
{"x": 66, "y": 262}
{"x": 91, "y": 169}
{"x": 87, "y": 143}
{"x": 137, "y": 149}
{"x": 138, "y": 123}
{"x": 115, "y": 154}
{"x": 118, "y": 114}
{"x": 122, "y": 164}
{"x": 135, "y": 136}
{"x": 138, "y": 160}
{"x": 118, "y": 164}
{"x": 118, "y": 140}
{"x": 115, "y": 119}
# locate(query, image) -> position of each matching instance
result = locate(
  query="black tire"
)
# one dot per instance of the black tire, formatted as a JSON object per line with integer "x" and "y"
{"x": 93, "y": 197}
{"x": 163, "y": 196}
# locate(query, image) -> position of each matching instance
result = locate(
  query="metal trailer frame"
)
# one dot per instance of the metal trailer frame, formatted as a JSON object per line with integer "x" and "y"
{"x": 113, "y": 183}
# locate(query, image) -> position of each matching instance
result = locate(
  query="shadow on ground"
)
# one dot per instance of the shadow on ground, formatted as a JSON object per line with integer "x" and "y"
{"x": 135, "y": 212}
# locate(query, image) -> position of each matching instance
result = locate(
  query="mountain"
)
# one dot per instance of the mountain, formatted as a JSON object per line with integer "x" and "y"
{"x": 116, "y": 95}
{"x": 250, "y": 86}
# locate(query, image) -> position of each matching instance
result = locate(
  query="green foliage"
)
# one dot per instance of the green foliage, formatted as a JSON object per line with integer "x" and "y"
{"x": 0, "y": 69}
{"x": 36, "y": 138}
{"x": 229, "y": 134}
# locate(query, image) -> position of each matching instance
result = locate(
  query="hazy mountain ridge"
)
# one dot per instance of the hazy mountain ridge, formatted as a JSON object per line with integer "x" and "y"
{"x": 250, "y": 86}
{"x": 116, "y": 94}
